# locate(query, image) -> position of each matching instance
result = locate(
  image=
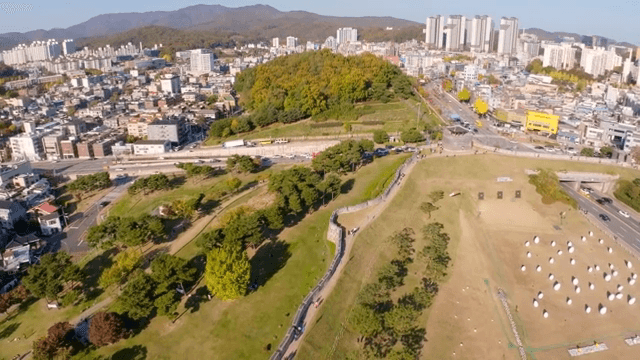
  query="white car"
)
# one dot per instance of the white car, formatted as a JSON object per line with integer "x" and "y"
{"x": 623, "y": 213}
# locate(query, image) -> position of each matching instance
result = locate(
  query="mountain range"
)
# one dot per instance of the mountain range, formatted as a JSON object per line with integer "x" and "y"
{"x": 253, "y": 21}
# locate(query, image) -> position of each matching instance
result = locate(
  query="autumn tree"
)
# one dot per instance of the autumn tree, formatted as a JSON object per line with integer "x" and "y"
{"x": 227, "y": 272}
{"x": 464, "y": 95}
{"x": 481, "y": 107}
{"x": 106, "y": 328}
{"x": 56, "y": 343}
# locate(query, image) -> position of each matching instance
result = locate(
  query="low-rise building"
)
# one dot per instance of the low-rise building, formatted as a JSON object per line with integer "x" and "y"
{"x": 541, "y": 122}
{"x": 10, "y": 213}
{"x": 151, "y": 147}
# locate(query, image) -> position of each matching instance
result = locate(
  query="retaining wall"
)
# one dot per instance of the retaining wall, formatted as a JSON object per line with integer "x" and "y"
{"x": 335, "y": 234}
{"x": 528, "y": 154}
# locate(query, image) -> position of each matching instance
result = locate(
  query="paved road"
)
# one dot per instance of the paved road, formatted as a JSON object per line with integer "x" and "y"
{"x": 626, "y": 229}
{"x": 72, "y": 239}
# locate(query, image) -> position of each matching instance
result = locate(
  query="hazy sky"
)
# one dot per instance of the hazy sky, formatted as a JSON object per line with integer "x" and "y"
{"x": 618, "y": 19}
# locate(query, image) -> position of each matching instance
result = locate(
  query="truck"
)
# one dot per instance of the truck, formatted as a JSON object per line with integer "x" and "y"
{"x": 455, "y": 117}
{"x": 232, "y": 144}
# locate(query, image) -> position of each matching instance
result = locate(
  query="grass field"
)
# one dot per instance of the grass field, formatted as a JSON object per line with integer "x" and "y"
{"x": 242, "y": 329}
{"x": 487, "y": 252}
{"x": 397, "y": 116}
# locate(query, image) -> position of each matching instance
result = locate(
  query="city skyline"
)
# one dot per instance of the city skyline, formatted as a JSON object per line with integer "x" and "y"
{"x": 587, "y": 18}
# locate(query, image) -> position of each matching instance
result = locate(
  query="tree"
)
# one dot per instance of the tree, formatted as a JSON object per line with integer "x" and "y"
{"x": 401, "y": 319}
{"x": 380, "y": 136}
{"x": 606, "y": 151}
{"x": 137, "y": 297}
{"x": 331, "y": 184}
{"x": 391, "y": 275}
{"x": 55, "y": 344}
{"x": 481, "y": 107}
{"x": 124, "y": 263}
{"x": 106, "y": 328}
{"x": 5, "y": 302}
{"x": 210, "y": 240}
{"x": 167, "y": 304}
{"x": 587, "y": 151}
{"x": 436, "y": 196}
{"x": 411, "y": 136}
{"x": 428, "y": 208}
{"x": 91, "y": 182}
{"x": 341, "y": 157}
{"x": 366, "y": 321}
{"x": 47, "y": 279}
{"x": 168, "y": 271}
{"x": 227, "y": 272}
{"x": 373, "y": 295}
{"x": 447, "y": 85}
{"x": 151, "y": 183}
{"x": 464, "y": 95}
{"x": 241, "y": 164}
{"x": 401, "y": 354}
{"x": 296, "y": 188}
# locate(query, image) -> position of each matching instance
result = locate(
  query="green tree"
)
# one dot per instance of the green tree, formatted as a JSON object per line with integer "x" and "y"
{"x": 587, "y": 151}
{"x": 89, "y": 183}
{"x": 124, "y": 263}
{"x": 380, "y": 136}
{"x": 401, "y": 319}
{"x": 169, "y": 271}
{"x": 464, "y": 95}
{"x": 167, "y": 304}
{"x": 227, "y": 272}
{"x": 137, "y": 297}
{"x": 428, "y": 208}
{"x": 241, "y": 164}
{"x": 47, "y": 279}
{"x": 296, "y": 188}
{"x": 411, "y": 136}
{"x": 366, "y": 321}
{"x": 347, "y": 126}
{"x": 606, "y": 151}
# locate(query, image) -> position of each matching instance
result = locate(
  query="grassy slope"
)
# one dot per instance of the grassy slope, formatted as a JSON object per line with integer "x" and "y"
{"x": 396, "y": 115}
{"x": 371, "y": 251}
{"x": 242, "y": 328}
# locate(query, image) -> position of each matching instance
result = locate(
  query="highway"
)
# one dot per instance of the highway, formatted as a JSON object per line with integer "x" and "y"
{"x": 625, "y": 229}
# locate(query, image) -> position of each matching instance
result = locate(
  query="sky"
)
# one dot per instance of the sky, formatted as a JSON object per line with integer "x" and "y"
{"x": 617, "y": 19}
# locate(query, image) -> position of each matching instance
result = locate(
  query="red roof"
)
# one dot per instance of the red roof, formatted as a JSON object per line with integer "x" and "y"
{"x": 47, "y": 208}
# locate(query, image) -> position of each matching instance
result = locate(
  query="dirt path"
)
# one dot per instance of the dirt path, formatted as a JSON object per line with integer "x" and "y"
{"x": 349, "y": 241}
{"x": 182, "y": 240}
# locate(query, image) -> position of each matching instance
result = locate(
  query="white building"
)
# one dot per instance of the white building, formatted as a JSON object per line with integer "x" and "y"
{"x": 470, "y": 73}
{"x": 508, "y": 36}
{"x": 27, "y": 146}
{"x": 68, "y": 47}
{"x": 151, "y": 147}
{"x": 559, "y": 56}
{"x": 455, "y": 33}
{"x": 346, "y": 35}
{"x": 480, "y": 36}
{"x": 596, "y": 61}
{"x": 170, "y": 84}
{"x": 435, "y": 32}
{"x": 275, "y": 42}
{"x": 292, "y": 42}
{"x": 202, "y": 61}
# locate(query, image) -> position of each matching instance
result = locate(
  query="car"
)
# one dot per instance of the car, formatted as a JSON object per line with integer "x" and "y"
{"x": 606, "y": 200}
{"x": 119, "y": 169}
{"x": 623, "y": 213}
{"x": 601, "y": 202}
{"x": 604, "y": 217}
{"x": 539, "y": 147}
{"x": 104, "y": 203}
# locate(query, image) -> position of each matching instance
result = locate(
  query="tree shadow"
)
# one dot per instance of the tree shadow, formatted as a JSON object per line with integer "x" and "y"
{"x": 413, "y": 340}
{"x": 200, "y": 296}
{"x": 173, "y": 227}
{"x": 8, "y": 330}
{"x": 177, "y": 181}
{"x": 248, "y": 186}
{"x": 267, "y": 261}
{"x": 208, "y": 206}
{"x": 136, "y": 352}
{"x": 94, "y": 269}
{"x": 347, "y": 186}
{"x": 199, "y": 262}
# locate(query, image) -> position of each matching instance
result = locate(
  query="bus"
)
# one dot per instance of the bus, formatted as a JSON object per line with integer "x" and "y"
{"x": 266, "y": 142}
{"x": 478, "y": 123}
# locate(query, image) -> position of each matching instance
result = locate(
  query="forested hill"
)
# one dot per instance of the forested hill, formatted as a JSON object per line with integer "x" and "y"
{"x": 317, "y": 83}
{"x": 314, "y": 82}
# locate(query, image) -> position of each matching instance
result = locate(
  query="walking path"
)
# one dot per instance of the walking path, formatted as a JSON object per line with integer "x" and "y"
{"x": 182, "y": 240}
{"x": 349, "y": 241}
